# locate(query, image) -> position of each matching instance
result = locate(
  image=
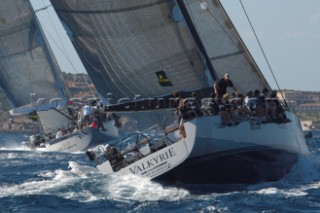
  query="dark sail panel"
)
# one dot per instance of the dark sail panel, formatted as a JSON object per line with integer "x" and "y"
{"x": 126, "y": 44}
{"x": 223, "y": 45}
{"x": 26, "y": 71}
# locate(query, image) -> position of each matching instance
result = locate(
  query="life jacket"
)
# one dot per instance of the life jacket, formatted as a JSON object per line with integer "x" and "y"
{"x": 94, "y": 124}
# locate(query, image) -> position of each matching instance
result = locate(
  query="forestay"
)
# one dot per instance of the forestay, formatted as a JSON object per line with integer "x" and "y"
{"x": 27, "y": 71}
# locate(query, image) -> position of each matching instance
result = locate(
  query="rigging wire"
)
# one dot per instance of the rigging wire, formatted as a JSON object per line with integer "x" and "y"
{"x": 68, "y": 59}
{"x": 30, "y": 82}
{"x": 50, "y": 59}
{"x": 222, "y": 28}
{"x": 263, "y": 53}
{"x": 63, "y": 51}
{"x": 54, "y": 27}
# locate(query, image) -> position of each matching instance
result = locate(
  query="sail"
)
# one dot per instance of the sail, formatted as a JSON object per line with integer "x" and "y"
{"x": 134, "y": 47}
{"x": 55, "y": 119}
{"x": 29, "y": 75}
{"x": 127, "y": 46}
{"x": 223, "y": 45}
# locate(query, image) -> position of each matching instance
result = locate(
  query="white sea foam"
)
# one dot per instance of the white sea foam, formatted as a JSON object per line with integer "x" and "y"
{"x": 304, "y": 176}
{"x": 47, "y": 174}
{"x": 276, "y": 191}
{"x": 32, "y": 187}
{"x": 127, "y": 187}
{"x": 133, "y": 187}
{"x": 83, "y": 196}
{"x": 57, "y": 179}
{"x": 10, "y": 155}
{"x": 14, "y": 146}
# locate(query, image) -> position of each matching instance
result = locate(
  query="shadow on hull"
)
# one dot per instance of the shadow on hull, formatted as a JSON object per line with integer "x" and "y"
{"x": 248, "y": 167}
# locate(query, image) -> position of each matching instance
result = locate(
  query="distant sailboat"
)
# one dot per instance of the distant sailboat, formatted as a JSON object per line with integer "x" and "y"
{"x": 157, "y": 47}
{"x": 33, "y": 83}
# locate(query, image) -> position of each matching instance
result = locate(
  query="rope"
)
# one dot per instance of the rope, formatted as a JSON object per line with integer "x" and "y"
{"x": 63, "y": 50}
{"x": 264, "y": 55}
{"x": 60, "y": 111}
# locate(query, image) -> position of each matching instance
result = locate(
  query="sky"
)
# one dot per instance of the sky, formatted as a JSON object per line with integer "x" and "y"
{"x": 56, "y": 35}
{"x": 288, "y": 30}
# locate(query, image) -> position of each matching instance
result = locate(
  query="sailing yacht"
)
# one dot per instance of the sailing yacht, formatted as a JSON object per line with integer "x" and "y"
{"x": 32, "y": 81}
{"x": 154, "y": 48}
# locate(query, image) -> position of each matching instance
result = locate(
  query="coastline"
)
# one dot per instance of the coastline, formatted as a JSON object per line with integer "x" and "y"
{"x": 21, "y": 124}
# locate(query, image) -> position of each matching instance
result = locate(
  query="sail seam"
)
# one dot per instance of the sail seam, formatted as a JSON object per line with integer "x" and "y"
{"x": 18, "y": 53}
{"x": 227, "y": 55}
{"x": 115, "y": 10}
{"x": 15, "y": 29}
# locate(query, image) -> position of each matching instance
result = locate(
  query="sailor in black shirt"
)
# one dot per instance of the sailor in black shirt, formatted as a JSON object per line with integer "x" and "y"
{"x": 220, "y": 87}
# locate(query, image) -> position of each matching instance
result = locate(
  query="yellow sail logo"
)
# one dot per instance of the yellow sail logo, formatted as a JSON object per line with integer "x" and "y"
{"x": 163, "y": 79}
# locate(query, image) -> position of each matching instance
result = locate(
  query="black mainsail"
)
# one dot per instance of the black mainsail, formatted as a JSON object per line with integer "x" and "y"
{"x": 29, "y": 74}
{"x": 134, "y": 47}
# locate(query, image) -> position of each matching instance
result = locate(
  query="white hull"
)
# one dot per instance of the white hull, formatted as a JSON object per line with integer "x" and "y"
{"x": 154, "y": 163}
{"x": 81, "y": 140}
{"x": 286, "y": 136}
{"x": 245, "y": 153}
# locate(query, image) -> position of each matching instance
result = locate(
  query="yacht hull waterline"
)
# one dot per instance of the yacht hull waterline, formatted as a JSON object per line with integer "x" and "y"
{"x": 243, "y": 154}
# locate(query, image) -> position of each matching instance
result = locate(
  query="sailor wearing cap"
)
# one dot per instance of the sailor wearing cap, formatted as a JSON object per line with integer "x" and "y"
{"x": 220, "y": 87}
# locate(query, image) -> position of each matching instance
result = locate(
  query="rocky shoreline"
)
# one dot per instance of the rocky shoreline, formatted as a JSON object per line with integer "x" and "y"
{"x": 17, "y": 124}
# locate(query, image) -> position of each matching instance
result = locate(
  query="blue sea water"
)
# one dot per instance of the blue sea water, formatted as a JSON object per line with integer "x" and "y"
{"x": 68, "y": 182}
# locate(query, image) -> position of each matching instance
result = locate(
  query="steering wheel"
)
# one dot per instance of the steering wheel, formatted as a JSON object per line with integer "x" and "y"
{"x": 141, "y": 140}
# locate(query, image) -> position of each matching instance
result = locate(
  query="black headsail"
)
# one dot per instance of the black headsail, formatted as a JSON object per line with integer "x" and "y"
{"x": 226, "y": 50}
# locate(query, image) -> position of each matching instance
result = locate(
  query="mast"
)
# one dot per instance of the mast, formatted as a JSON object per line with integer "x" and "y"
{"x": 196, "y": 38}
